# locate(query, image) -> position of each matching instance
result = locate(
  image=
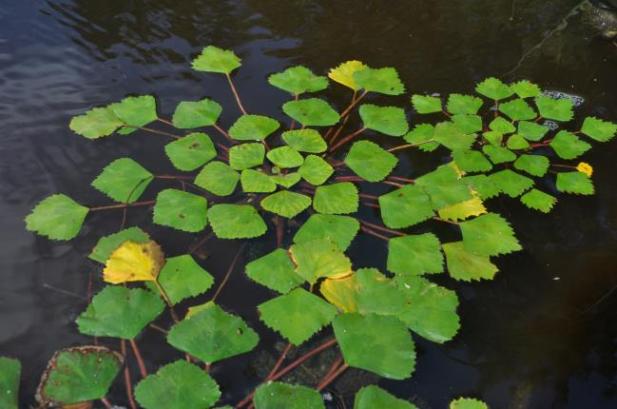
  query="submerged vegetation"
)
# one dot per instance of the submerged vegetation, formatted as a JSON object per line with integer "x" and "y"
{"x": 511, "y": 140}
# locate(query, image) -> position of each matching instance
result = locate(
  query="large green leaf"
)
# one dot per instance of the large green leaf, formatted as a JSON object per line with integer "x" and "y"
{"x": 212, "y": 335}
{"x": 494, "y": 88}
{"x": 278, "y": 395}
{"x": 311, "y": 112}
{"x": 415, "y": 254}
{"x": 274, "y": 270}
{"x": 218, "y": 178}
{"x": 285, "y": 203}
{"x": 96, "y": 123}
{"x": 246, "y": 155}
{"x": 298, "y": 80}
{"x": 297, "y": 316}
{"x": 426, "y": 104}
{"x": 195, "y": 114}
{"x": 214, "y": 59}
{"x": 369, "y": 161}
{"x": 57, "y": 217}
{"x": 380, "y": 344}
{"x": 575, "y": 182}
{"x": 373, "y": 397}
{"x": 466, "y": 266}
{"x": 255, "y": 181}
{"x": 181, "y": 210}
{"x": 535, "y": 165}
{"x": 305, "y": 140}
{"x": 555, "y": 109}
{"x": 380, "y": 80}
{"x": 568, "y": 146}
{"x": 319, "y": 258}
{"x": 467, "y": 403}
{"x": 123, "y": 180}
{"x": 337, "y": 198}
{"x": 107, "y": 244}
{"x": 511, "y": 183}
{"x": 538, "y": 200}
{"x": 518, "y": 110}
{"x": 120, "y": 312}
{"x": 526, "y": 89}
{"x": 236, "y": 221}
{"x": 190, "y": 152}
{"x": 10, "y": 371}
{"x": 285, "y": 157}
{"x": 387, "y": 120}
{"x": 405, "y": 207}
{"x": 340, "y": 229}
{"x": 463, "y": 104}
{"x": 489, "y": 235}
{"x": 135, "y": 112}
{"x": 599, "y": 130}
{"x": 179, "y": 385}
{"x": 253, "y": 128}
{"x": 181, "y": 277}
{"x": 315, "y": 170}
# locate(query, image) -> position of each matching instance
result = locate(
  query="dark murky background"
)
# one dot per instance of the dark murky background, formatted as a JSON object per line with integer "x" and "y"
{"x": 542, "y": 335}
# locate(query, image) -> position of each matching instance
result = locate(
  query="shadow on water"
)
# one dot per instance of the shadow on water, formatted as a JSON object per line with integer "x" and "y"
{"x": 541, "y": 335}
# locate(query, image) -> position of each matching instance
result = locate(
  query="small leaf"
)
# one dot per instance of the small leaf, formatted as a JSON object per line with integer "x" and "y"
{"x": 494, "y": 89}
{"x": 10, "y": 370}
{"x": 489, "y": 235}
{"x": 212, "y": 335}
{"x": 517, "y": 142}
{"x": 373, "y": 397}
{"x": 405, "y": 207}
{"x": 123, "y": 180}
{"x": 255, "y": 181}
{"x": 422, "y": 136}
{"x": 182, "y": 278}
{"x": 179, "y": 385}
{"x": 195, "y": 114}
{"x": 234, "y": 221}
{"x": 297, "y": 316}
{"x": 120, "y": 312}
{"x": 339, "y": 229}
{"x": 315, "y": 170}
{"x": 450, "y": 136}
{"x": 319, "y": 258}
{"x": 337, "y": 198}
{"x": 467, "y": 403}
{"x": 344, "y": 74}
{"x": 511, "y": 183}
{"x": 278, "y": 395}
{"x": 463, "y": 104}
{"x": 501, "y": 125}
{"x": 275, "y": 271}
{"x": 381, "y": 80}
{"x": 305, "y": 140}
{"x": 369, "y": 161}
{"x": 599, "y": 130}
{"x": 190, "y": 152}
{"x": 536, "y": 165}
{"x": 298, "y": 80}
{"x": 471, "y": 161}
{"x": 96, "y": 123}
{"x": 569, "y": 146}
{"x": 311, "y": 112}
{"x": 425, "y": 104}
{"x": 526, "y": 89}
{"x": 214, "y": 59}
{"x": 285, "y": 203}
{"x": 415, "y": 254}
{"x": 518, "y": 110}
{"x": 532, "y": 131}
{"x": 135, "y": 112}
{"x": 285, "y": 157}
{"x": 498, "y": 154}
{"x": 290, "y": 179}
{"x": 555, "y": 109}
{"x": 466, "y": 266}
{"x": 467, "y": 123}
{"x": 133, "y": 261}
{"x": 575, "y": 182}
{"x": 57, "y": 217}
{"x": 253, "y": 128}
{"x": 181, "y": 210}
{"x": 387, "y": 120}
{"x": 538, "y": 200}
{"x": 493, "y": 137}
{"x": 246, "y": 155}
{"x": 218, "y": 178}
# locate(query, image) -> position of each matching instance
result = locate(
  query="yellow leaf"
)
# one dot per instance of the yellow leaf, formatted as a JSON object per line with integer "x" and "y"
{"x": 341, "y": 292}
{"x": 343, "y": 74}
{"x": 463, "y": 210}
{"x": 134, "y": 262}
{"x": 585, "y": 168}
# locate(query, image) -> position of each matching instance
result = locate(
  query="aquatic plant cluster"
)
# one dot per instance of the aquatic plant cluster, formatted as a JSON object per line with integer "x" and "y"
{"x": 506, "y": 139}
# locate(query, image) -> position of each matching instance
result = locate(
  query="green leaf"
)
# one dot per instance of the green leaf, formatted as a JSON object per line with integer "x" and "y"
{"x": 489, "y": 235}
{"x": 425, "y": 104}
{"x": 536, "y": 165}
{"x": 57, "y": 217}
{"x": 339, "y": 229}
{"x": 466, "y": 266}
{"x": 344, "y": 73}
{"x": 337, "y": 198}
{"x": 381, "y": 80}
{"x": 195, "y": 114}
{"x": 575, "y": 182}
{"x": 511, "y": 183}
{"x": 10, "y": 370}
{"x": 422, "y": 135}
{"x": 526, "y": 89}
{"x": 319, "y": 258}
{"x": 517, "y": 142}
{"x": 555, "y": 109}
{"x": 471, "y": 161}
{"x": 493, "y": 137}
{"x": 182, "y": 278}
{"x": 415, "y": 254}
{"x": 447, "y": 193}
{"x": 123, "y": 180}
{"x": 369, "y": 161}
{"x": 501, "y": 125}
{"x": 275, "y": 270}
{"x": 373, "y": 397}
{"x": 405, "y": 207}
{"x": 380, "y": 344}
{"x": 298, "y": 80}
{"x": 305, "y": 140}
{"x": 79, "y": 374}
{"x": 107, "y": 244}
{"x": 450, "y": 136}
{"x": 467, "y": 123}
{"x": 246, "y": 155}
{"x": 311, "y": 112}
{"x": 387, "y": 120}
{"x": 218, "y": 178}
{"x": 483, "y": 185}
{"x": 212, "y": 335}
{"x": 518, "y": 110}
{"x": 498, "y": 154}
{"x": 285, "y": 203}
{"x": 432, "y": 312}
{"x": 532, "y": 131}
{"x": 181, "y": 210}
{"x": 190, "y": 152}
{"x": 538, "y": 200}
{"x": 289, "y": 179}
{"x": 120, "y": 312}
{"x": 467, "y": 403}
{"x": 278, "y": 395}
{"x": 569, "y": 146}
{"x": 135, "y": 112}
{"x": 285, "y": 157}
{"x": 179, "y": 385}
{"x": 214, "y": 59}
{"x": 234, "y": 221}
{"x": 253, "y": 128}
{"x": 255, "y": 181}
{"x": 96, "y": 123}
{"x": 494, "y": 89}
{"x": 315, "y": 170}
{"x": 297, "y": 316}
{"x": 463, "y": 104}
{"x": 599, "y": 130}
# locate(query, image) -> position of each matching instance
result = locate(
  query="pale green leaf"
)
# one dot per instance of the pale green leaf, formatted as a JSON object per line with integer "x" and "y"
{"x": 518, "y": 110}
{"x": 181, "y": 210}
{"x": 369, "y": 161}
{"x": 255, "y": 181}
{"x": 493, "y": 137}
{"x": 339, "y": 229}
{"x": 195, "y": 114}
{"x": 214, "y": 59}
{"x": 285, "y": 157}
{"x": 466, "y": 266}
{"x": 405, "y": 207}
{"x": 422, "y": 136}
{"x": 218, "y": 178}
{"x": 10, "y": 371}
{"x": 285, "y": 203}
{"x": 599, "y": 130}
{"x": 450, "y": 136}
{"x": 526, "y": 89}
{"x": 275, "y": 271}
{"x": 190, "y": 152}
{"x": 425, "y": 104}
{"x": 489, "y": 235}
{"x": 123, "y": 180}
{"x": 517, "y": 142}
{"x": 467, "y": 403}
{"x": 57, "y": 217}
{"x": 305, "y": 140}
{"x": 511, "y": 183}
{"x": 298, "y": 80}
{"x": 315, "y": 170}
{"x": 387, "y": 120}
{"x": 555, "y": 109}
{"x": 501, "y": 125}
{"x": 289, "y": 179}
{"x": 135, "y": 112}
{"x": 253, "y": 128}
{"x": 463, "y": 104}
{"x": 467, "y": 123}
{"x": 415, "y": 254}
{"x": 246, "y": 155}
{"x": 538, "y": 200}
{"x": 483, "y": 185}
{"x": 575, "y": 182}
{"x": 373, "y": 397}
{"x": 337, "y": 198}
{"x": 494, "y": 88}
{"x": 311, "y": 112}
{"x": 532, "y": 131}
{"x": 278, "y": 395}
{"x": 319, "y": 258}
{"x": 535, "y": 165}
{"x": 498, "y": 154}
{"x": 236, "y": 221}
{"x": 381, "y": 80}
{"x": 569, "y": 146}
{"x": 96, "y": 123}
{"x": 181, "y": 278}
{"x": 471, "y": 161}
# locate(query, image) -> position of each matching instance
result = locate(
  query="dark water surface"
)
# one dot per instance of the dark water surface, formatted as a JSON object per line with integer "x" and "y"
{"x": 542, "y": 335}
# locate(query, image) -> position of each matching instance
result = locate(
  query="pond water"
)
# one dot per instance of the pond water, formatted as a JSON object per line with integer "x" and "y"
{"x": 541, "y": 335}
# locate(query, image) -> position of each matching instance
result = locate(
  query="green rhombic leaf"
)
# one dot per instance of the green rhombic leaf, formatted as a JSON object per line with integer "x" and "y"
{"x": 79, "y": 374}
{"x": 450, "y": 136}
{"x": 599, "y": 130}
{"x": 315, "y": 170}
{"x": 373, "y": 397}
{"x": 425, "y": 104}
{"x": 311, "y": 112}
{"x": 289, "y": 179}
{"x": 195, "y": 114}
{"x": 214, "y": 59}
{"x": 253, "y": 128}
{"x": 381, "y": 80}
{"x": 190, "y": 152}
{"x": 255, "y": 181}
{"x": 494, "y": 89}
{"x": 467, "y": 403}
{"x": 337, "y": 198}
{"x": 405, "y": 207}
{"x": 135, "y": 112}
{"x": 467, "y": 123}
{"x": 387, "y": 120}
{"x": 298, "y": 80}
{"x": 181, "y": 210}
{"x": 498, "y": 154}
{"x": 489, "y": 235}
{"x": 538, "y": 200}
{"x": 297, "y": 316}
{"x": 536, "y": 165}
{"x": 246, "y": 155}
{"x": 179, "y": 385}
{"x": 501, "y": 125}
{"x": 369, "y": 161}
{"x": 517, "y": 142}
{"x": 465, "y": 266}
{"x": 555, "y": 109}
{"x": 339, "y": 229}
{"x": 415, "y": 254}
{"x": 285, "y": 203}
{"x": 422, "y": 136}
{"x": 120, "y": 312}
{"x": 319, "y": 258}
{"x": 463, "y": 104}
{"x": 380, "y": 344}
{"x": 518, "y": 110}
{"x": 96, "y": 123}
{"x": 212, "y": 335}
{"x": 107, "y": 244}
{"x": 57, "y": 217}
{"x": 575, "y": 182}
{"x": 181, "y": 277}
{"x": 568, "y": 146}
{"x": 526, "y": 89}
{"x": 10, "y": 370}
{"x": 285, "y": 157}
{"x": 123, "y": 180}
{"x": 218, "y": 178}
{"x": 235, "y": 221}
{"x": 275, "y": 271}
{"x": 278, "y": 395}
{"x": 532, "y": 131}
{"x": 511, "y": 183}
{"x": 305, "y": 140}
{"x": 471, "y": 161}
